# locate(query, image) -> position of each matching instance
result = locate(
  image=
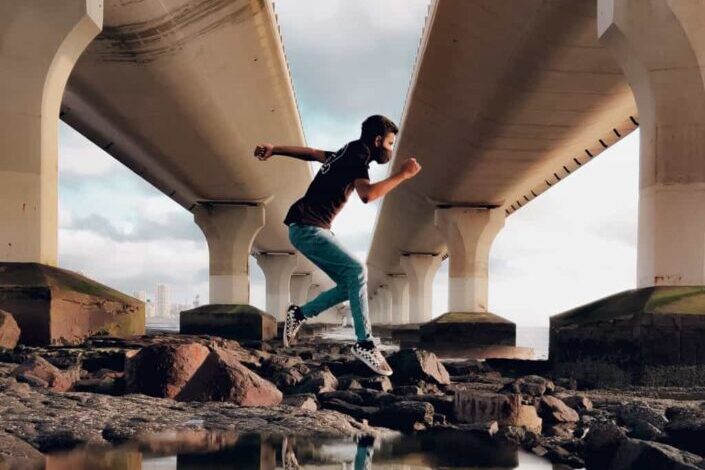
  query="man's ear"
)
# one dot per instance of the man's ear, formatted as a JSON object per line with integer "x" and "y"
{"x": 378, "y": 141}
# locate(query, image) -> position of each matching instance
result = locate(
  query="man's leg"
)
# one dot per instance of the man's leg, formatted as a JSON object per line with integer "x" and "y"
{"x": 324, "y": 301}
{"x": 323, "y": 249}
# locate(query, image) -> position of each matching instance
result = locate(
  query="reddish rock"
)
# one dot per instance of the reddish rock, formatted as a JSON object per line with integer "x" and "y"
{"x": 528, "y": 418}
{"x": 9, "y": 331}
{"x": 39, "y": 372}
{"x": 412, "y": 365}
{"x": 222, "y": 377}
{"x": 162, "y": 370}
{"x": 553, "y": 410}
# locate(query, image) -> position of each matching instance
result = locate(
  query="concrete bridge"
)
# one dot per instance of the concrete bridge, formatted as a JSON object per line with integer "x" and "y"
{"x": 507, "y": 99}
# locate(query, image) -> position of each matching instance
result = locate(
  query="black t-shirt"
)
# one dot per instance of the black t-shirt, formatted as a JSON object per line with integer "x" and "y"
{"x": 330, "y": 189}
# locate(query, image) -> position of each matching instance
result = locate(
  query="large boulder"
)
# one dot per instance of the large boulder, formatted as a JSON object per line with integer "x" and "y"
{"x": 222, "y": 377}
{"x": 412, "y": 365}
{"x": 163, "y": 370}
{"x": 39, "y": 372}
{"x": 9, "y": 331}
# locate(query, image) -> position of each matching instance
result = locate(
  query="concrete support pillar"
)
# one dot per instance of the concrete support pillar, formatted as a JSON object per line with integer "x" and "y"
{"x": 469, "y": 233}
{"x": 277, "y": 268}
{"x": 660, "y": 46}
{"x": 420, "y": 270}
{"x": 40, "y": 42}
{"x": 385, "y": 300}
{"x": 399, "y": 287}
{"x": 230, "y": 230}
{"x": 300, "y": 283}
{"x": 375, "y": 309}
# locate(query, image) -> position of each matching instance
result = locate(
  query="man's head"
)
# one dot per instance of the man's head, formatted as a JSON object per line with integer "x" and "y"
{"x": 379, "y": 133}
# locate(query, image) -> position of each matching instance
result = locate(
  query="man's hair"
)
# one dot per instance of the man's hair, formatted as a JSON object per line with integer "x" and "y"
{"x": 377, "y": 125}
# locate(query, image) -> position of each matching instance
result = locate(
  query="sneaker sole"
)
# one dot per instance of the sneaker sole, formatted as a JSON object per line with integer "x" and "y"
{"x": 373, "y": 368}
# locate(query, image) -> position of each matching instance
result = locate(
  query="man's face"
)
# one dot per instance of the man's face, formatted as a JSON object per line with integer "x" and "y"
{"x": 382, "y": 151}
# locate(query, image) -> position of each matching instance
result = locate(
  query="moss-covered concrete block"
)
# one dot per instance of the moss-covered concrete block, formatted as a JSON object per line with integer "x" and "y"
{"x": 636, "y": 331}
{"x": 469, "y": 328}
{"x": 236, "y": 321}
{"x": 57, "y": 306}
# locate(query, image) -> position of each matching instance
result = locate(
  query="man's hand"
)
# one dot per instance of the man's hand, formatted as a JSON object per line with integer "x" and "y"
{"x": 264, "y": 151}
{"x": 410, "y": 167}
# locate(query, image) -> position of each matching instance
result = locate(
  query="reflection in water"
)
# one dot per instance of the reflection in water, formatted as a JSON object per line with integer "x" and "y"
{"x": 215, "y": 451}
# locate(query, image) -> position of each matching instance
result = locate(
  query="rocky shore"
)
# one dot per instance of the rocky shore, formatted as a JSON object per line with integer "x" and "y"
{"x": 109, "y": 390}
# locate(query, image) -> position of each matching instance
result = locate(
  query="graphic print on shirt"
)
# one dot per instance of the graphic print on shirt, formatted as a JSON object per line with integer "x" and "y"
{"x": 332, "y": 158}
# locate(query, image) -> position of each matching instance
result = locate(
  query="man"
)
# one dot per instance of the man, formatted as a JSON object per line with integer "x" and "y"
{"x": 309, "y": 220}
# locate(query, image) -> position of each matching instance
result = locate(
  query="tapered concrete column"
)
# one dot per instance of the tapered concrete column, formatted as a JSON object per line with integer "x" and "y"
{"x": 277, "y": 268}
{"x": 469, "y": 233}
{"x": 420, "y": 270}
{"x": 399, "y": 287}
{"x": 40, "y": 42}
{"x": 385, "y": 300}
{"x": 300, "y": 283}
{"x": 660, "y": 46}
{"x": 375, "y": 308}
{"x": 230, "y": 231}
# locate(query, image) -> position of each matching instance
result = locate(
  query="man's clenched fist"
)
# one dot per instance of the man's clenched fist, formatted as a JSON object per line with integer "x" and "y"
{"x": 410, "y": 167}
{"x": 264, "y": 151}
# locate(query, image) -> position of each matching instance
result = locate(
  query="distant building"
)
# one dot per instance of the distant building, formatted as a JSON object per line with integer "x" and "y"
{"x": 150, "y": 311}
{"x": 163, "y": 304}
{"x": 197, "y": 301}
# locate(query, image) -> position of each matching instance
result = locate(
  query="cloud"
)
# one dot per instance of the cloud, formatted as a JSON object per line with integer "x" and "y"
{"x": 172, "y": 227}
{"x": 349, "y": 60}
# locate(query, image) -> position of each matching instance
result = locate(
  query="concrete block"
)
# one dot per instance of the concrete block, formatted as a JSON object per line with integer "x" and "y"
{"x": 469, "y": 328}
{"x": 237, "y": 321}
{"x": 661, "y": 326}
{"x": 56, "y": 306}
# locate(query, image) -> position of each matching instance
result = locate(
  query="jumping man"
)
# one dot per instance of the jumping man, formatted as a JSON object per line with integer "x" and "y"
{"x": 309, "y": 220}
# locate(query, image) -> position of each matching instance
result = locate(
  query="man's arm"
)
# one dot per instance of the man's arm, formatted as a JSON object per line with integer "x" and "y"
{"x": 265, "y": 151}
{"x": 368, "y": 192}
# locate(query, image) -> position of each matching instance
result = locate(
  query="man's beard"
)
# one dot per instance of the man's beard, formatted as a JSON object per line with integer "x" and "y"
{"x": 382, "y": 155}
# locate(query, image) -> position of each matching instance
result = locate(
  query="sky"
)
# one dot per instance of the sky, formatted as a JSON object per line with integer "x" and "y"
{"x": 572, "y": 245}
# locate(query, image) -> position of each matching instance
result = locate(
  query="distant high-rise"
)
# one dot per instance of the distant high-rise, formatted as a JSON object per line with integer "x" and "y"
{"x": 197, "y": 301}
{"x": 163, "y": 306}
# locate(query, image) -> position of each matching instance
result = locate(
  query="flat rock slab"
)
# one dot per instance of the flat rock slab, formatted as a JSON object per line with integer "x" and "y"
{"x": 240, "y": 322}
{"x": 51, "y": 421}
{"x": 56, "y": 306}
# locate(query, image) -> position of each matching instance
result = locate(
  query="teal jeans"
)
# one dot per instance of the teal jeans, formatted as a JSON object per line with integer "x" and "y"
{"x": 321, "y": 247}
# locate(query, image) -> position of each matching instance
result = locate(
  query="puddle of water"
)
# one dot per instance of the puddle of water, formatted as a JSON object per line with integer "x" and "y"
{"x": 187, "y": 450}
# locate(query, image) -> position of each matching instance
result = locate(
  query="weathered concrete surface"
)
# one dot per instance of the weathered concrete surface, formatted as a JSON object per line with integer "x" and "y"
{"x": 645, "y": 335}
{"x": 242, "y": 322}
{"x": 56, "y": 306}
{"x": 477, "y": 328}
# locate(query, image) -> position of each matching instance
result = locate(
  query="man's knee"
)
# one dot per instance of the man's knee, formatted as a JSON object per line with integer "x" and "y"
{"x": 358, "y": 273}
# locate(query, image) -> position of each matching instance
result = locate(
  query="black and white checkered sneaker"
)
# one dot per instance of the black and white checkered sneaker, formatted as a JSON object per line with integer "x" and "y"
{"x": 292, "y": 323}
{"x": 368, "y": 353}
